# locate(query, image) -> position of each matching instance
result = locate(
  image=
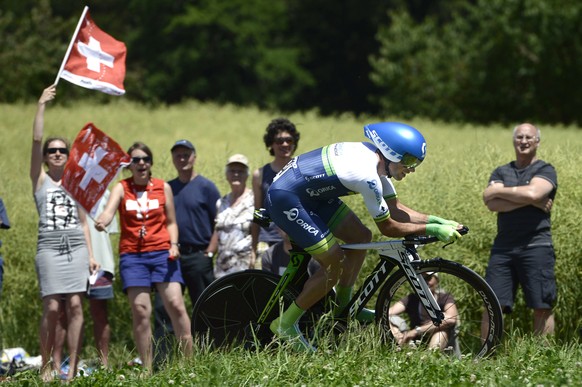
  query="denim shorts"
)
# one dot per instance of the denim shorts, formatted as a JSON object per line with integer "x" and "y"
{"x": 147, "y": 269}
{"x": 532, "y": 267}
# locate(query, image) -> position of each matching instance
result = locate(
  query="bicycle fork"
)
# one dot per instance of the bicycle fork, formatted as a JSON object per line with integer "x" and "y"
{"x": 420, "y": 286}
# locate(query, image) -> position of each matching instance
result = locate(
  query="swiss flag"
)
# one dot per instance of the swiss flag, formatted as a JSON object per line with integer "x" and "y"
{"x": 96, "y": 60}
{"x": 94, "y": 161}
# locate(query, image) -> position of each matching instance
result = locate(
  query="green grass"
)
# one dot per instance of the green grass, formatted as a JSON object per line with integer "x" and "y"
{"x": 450, "y": 182}
{"x": 360, "y": 361}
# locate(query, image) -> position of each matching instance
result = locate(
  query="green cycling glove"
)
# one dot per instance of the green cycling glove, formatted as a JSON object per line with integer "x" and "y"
{"x": 437, "y": 220}
{"x": 444, "y": 232}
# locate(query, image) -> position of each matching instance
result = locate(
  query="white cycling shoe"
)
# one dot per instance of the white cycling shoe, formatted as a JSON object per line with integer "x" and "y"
{"x": 292, "y": 335}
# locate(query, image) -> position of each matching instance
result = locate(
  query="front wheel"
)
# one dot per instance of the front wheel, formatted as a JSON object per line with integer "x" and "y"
{"x": 473, "y": 322}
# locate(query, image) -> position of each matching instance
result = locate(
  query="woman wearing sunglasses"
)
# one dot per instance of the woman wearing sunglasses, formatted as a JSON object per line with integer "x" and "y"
{"x": 148, "y": 250}
{"x": 63, "y": 259}
{"x": 281, "y": 139}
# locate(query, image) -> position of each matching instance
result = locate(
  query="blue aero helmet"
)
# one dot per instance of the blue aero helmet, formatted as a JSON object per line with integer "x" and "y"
{"x": 398, "y": 142}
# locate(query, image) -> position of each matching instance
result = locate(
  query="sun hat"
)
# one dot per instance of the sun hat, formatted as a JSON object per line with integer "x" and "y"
{"x": 238, "y": 158}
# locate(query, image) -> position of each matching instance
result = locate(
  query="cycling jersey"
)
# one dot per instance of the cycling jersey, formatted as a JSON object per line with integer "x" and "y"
{"x": 304, "y": 197}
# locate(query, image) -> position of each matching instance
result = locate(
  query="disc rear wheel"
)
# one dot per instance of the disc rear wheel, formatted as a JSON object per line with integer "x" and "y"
{"x": 228, "y": 310}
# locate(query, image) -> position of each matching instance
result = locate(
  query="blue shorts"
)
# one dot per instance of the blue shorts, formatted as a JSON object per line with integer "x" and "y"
{"x": 309, "y": 223}
{"x": 102, "y": 289}
{"x": 532, "y": 267}
{"x": 147, "y": 269}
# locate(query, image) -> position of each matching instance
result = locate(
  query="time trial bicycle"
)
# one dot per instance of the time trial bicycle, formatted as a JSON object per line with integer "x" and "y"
{"x": 238, "y": 308}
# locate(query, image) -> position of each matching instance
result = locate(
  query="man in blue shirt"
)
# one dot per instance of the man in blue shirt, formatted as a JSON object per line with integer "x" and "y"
{"x": 195, "y": 199}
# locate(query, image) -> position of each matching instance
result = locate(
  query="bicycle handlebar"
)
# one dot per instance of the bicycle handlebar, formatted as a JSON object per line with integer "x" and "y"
{"x": 425, "y": 239}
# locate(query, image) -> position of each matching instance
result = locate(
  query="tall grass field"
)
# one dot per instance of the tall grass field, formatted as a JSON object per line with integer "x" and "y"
{"x": 449, "y": 183}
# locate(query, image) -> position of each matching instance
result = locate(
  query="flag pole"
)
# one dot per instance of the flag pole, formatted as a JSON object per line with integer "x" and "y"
{"x": 71, "y": 44}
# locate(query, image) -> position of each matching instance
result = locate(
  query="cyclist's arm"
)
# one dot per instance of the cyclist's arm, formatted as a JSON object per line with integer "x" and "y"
{"x": 391, "y": 228}
{"x": 399, "y": 226}
{"x": 402, "y": 213}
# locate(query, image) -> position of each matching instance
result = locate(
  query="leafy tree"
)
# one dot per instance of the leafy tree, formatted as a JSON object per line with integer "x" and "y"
{"x": 29, "y": 40}
{"x": 234, "y": 51}
{"x": 495, "y": 61}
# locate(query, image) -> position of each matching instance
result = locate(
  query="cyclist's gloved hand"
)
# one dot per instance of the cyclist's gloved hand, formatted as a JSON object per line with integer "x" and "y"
{"x": 444, "y": 232}
{"x": 437, "y": 220}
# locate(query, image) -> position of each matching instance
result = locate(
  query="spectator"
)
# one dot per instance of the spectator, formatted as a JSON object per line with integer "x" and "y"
{"x": 281, "y": 139}
{"x": 100, "y": 290}
{"x": 195, "y": 199}
{"x": 4, "y": 224}
{"x": 63, "y": 256}
{"x": 276, "y": 258}
{"x": 522, "y": 193}
{"x": 438, "y": 337}
{"x": 148, "y": 249}
{"x": 233, "y": 222}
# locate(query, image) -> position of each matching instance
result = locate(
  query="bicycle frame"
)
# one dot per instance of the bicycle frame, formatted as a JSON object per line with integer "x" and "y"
{"x": 392, "y": 253}
{"x": 298, "y": 261}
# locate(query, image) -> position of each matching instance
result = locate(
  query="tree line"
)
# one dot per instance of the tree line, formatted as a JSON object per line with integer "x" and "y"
{"x": 480, "y": 61}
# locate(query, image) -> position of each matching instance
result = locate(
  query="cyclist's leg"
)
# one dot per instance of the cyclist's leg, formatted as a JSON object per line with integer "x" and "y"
{"x": 324, "y": 279}
{"x": 350, "y": 229}
{"x": 301, "y": 221}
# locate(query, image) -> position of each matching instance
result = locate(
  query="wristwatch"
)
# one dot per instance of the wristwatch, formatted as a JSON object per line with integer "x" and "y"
{"x": 417, "y": 329}
{"x": 209, "y": 254}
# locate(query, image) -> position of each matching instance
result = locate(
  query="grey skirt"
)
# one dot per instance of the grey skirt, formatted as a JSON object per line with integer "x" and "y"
{"x": 62, "y": 262}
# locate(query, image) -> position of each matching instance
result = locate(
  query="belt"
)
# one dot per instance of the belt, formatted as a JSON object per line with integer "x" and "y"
{"x": 191, "y": 249}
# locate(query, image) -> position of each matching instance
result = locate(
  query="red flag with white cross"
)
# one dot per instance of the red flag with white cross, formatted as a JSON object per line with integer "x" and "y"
{"x": 95, "y": 60}
{"x": 94, "y": 161}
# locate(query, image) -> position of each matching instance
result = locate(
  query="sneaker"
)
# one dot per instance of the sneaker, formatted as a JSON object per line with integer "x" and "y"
{"x": 135, "y": 362}
{"x": 292, "y": 335}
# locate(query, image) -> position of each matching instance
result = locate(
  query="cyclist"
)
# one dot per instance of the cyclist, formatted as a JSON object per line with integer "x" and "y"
{"x": 304, "y": 201}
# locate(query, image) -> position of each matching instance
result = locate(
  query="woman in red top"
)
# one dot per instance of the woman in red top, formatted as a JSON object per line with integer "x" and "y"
{"x": 148, "y": 249}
